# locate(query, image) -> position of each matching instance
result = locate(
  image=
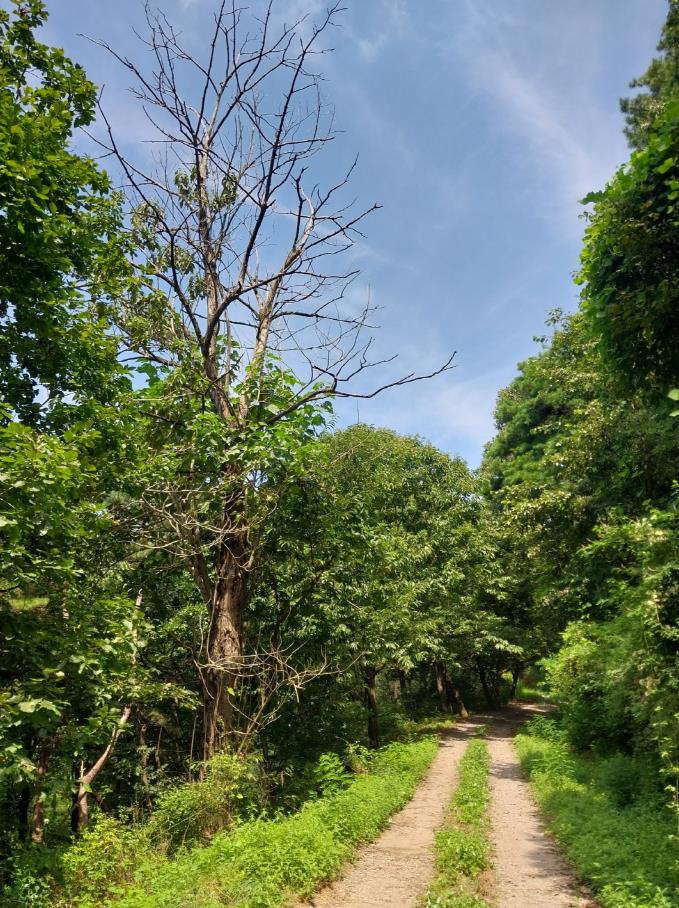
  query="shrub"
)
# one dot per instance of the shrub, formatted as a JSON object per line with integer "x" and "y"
{"x": 588, "y": 680}
{"x": 623, "y": 845}
{"x": 330, "y": 774}
{"x": 195, "y": 811}
{"x": 27, "y": 890}
{"x": 103, "y": 858}
{"x": 262, "y": 863}
{"x": 27, "y": 876}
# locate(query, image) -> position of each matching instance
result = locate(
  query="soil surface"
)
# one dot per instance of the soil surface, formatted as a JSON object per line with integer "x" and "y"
{"x": 395, "y": 870}
{"x": 530, "y": 872}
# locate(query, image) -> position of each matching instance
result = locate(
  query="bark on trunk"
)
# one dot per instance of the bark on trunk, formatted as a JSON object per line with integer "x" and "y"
{"x": 38, "y": 810}
{"x": 370, "y": 692}
{"x": 144, "y": 777}
{"x": 23, "y": 810}
{"x": 491, "y": 699}
{"x": 396, "y": 689}
{"x": 225, "y": 647}
{"x": 442, "y": 687}
{"x": 87, "y": 779}
{"x": 516, "y": 674}
{"x": 456, "y": 698}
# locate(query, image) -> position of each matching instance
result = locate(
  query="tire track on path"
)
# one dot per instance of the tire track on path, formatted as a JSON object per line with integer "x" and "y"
{"x": 530, "y": 871}
{"x": 395, "y": 870}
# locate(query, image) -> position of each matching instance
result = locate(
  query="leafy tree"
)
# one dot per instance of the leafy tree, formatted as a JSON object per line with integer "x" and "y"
{"x": 370, "y": 558}
{"x": 237, "y": 309}
{"x": 629, "y": 273}
{"x": 71, "y": 628}
{"x": 569, "y": 453}
{"x": 661, "y": 80}
{"x": 58, "y": 220}
{"x": 616, "y": 679}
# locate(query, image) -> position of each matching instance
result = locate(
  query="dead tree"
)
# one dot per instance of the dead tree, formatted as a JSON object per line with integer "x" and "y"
{"x": 240, "y": 296}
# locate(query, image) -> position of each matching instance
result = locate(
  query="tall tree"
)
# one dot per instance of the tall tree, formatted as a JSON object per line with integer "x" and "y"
{"x": 67, "y": 614}
{"x": 631, "y": 291}
{"x": 660, "y": 81}
{"x": 239, "y": 309}
{"x": 58, "y": 265}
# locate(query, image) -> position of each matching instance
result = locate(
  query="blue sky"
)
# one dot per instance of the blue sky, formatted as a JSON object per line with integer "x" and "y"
{"x": 479, "y": 124}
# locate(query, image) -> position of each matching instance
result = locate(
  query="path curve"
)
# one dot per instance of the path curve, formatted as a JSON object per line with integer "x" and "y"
{"x": 530, "y": 872}
{"x": 396, "y": 869}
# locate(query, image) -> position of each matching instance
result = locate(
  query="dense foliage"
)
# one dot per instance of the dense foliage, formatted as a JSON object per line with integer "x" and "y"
{"x": 582, "y": 472}
{"x": 606, "y": 814}
{"x": 128, "y": 482}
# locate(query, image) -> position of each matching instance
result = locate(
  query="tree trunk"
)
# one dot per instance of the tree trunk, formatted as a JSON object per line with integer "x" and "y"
{"x": 491, "y": 700}
{"x": 442, "y": 687}
{"x": 87, "y": 779}
{"x": 516, "y": 674}
{"x": 23, "y": 809}
{"x": 74, "y": 799}
{"x": 370, "y": 694}
{"x": 38, "y": 809}
{"x": 225, "y": 647}
{"x": 143, "y": 752}
{"x": 396, "y": 688}
{"x": 456, "y": 698}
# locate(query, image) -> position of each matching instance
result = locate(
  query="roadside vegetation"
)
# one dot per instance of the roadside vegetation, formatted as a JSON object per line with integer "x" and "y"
{"x": 463, "y": 845}
{"x": 262, "y": 862}
{"x": 609, "y": 816}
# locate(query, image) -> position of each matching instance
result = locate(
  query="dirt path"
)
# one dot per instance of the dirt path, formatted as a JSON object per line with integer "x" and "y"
{"x": 530, "y": 872}
{"x": 394, "y": 871}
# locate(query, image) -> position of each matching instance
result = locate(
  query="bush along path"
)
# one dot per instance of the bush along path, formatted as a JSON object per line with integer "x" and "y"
{"x": 397, "y": 868}
{"x": 609, "y": 816}
{"x": 530, "y": 871}
{"x": 463, "y": 844}
{"x": 263, "y": 863}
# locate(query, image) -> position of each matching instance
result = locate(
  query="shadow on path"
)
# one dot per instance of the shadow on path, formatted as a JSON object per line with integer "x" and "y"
{"x": 530, "y": 871}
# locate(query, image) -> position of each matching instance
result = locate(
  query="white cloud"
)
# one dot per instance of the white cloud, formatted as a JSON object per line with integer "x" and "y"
{"x": 457, "y": 413}
{"x": 543, "y": 100}
{"x": 394, "y": 21}
{"x": 464, "y": 409}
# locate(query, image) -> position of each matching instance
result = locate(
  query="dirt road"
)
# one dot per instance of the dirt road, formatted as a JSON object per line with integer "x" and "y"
{"x": 396, "y": 869}
{"x": 529, "y": 869}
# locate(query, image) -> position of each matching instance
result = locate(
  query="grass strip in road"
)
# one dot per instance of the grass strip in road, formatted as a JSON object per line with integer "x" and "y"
{"x": 463, "y": 844}
{"x": 627, "y": 852}
{"x": 267, "y": 863}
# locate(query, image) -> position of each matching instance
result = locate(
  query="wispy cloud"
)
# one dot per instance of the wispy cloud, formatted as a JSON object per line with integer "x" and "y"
{"x": 573, "y": 146}
{"x": 393, "y": 20}
{"x": 457, "y": 413}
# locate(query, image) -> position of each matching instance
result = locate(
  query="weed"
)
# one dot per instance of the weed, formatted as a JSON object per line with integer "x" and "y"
{"x": 620, "y": 839}
{"x": 262, "y": 863}
{"x": 463, "y": 846}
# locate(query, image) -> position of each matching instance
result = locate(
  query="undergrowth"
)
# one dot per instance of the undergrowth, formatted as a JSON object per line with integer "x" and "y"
{"x": 463, "y": 845}
{"x": 525, "y": 691}
{"x": 261, "y": 863}
{"x": 614, "y": 827}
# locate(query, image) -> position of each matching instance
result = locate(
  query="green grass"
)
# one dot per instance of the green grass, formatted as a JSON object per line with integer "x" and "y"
{"x": 463, "y": 846}
{"x": 530, "y": 692}
{"x": 264, "y": 863}
{"x": 620, "y": 838}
